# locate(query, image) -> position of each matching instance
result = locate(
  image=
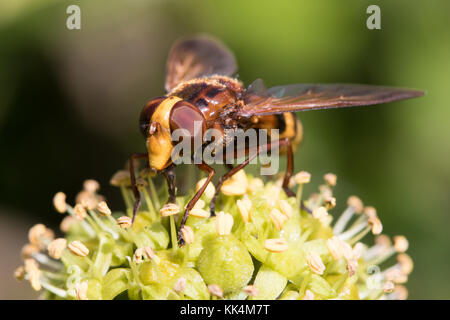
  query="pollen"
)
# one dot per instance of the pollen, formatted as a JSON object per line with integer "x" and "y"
{"x": 358, "y": 250}
{"x": 210, "y": 189}
{"x": 406, "y": 263}
{"x": 377, "y": 227}
{"x": 81, "y": 290}
{"x": 321, "y": 214}
{"x": 188, "y": 234}
{"x": 285, "y": 208}
{"x": 35, "y": 280}
{"x": 124, "y": 222}
{"x": 401, "y": 244}
{"x": 19, "y": 273}
{"x": 330, "y": 179}
{"x": 78, "y": 248}
{"x": 277, "y": 218}
{"x": 236, "y": 185}
{"x": 56, "y": 248}
{"x": 224, "y": 223}
{"x": 276, "y": 245}
{"x": 302, "y": 177}
{"x": 347, "y": 250}
{"x": 29, "y": 250}
{"x": 244, "y": 206}
{"x": 34, "y": 274}
{"x": 150, "y": 254}
{"x": 383, "y": 240}
{"x": 334, "y": 246}
{"x": 80, "y": 211}
{"x": 400, "y": 292}
{"x": 66, "y": 223}
{"x": 121, "y": 178}
{"x": 396, "y": 275}
{"x": 59, "y": 202}
{"x": 200, "y": 204}
{"x": 103, "y": 209}
{"x": 355, "y": 203}
{"x": 87, "y": 200}
{"x": 35, "y": 234}
{"x": 91, "y": 186}
{"x": 370, "y": 212}
{"x": 199, "y": 213}
{"x": 169, "y": 209}
{"x": 31, "y": 265}
{"x": 315, "y": 263}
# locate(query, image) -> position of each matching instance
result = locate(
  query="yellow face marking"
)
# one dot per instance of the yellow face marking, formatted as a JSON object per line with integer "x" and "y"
{"x": 159, "y": 145}
{"x": 289, "y": 120}
{"x": 298, "y": 135}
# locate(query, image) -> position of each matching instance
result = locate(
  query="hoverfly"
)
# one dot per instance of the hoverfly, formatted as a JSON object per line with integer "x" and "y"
{"x": 200, "y": 87}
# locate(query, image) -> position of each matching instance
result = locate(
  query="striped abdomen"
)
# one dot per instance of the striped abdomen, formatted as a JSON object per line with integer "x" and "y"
{"x": 288, "y": 124}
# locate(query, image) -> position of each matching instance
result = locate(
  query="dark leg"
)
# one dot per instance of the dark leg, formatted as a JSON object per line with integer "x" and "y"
{"x": 169, "y": 174}
{"x": 204, "y": 167}
{"x": 137, "y": 194}
{"x": 212, "y": 205}
{"x": 288, "y": 174}
{"x": 289, "y": 167}
{"x": 283, "y": 142}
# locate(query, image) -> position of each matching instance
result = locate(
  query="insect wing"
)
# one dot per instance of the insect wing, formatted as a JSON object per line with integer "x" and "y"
{"x": 305, "y": 97}
{"x": 195, "y": 57}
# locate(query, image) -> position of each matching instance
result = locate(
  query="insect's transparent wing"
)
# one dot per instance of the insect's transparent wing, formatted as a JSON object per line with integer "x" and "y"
{"x": 304, "y": 97}
{"x": 198, "y": 56}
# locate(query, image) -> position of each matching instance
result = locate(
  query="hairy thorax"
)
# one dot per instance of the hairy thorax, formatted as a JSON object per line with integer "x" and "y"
{"x": 211, "y": 94}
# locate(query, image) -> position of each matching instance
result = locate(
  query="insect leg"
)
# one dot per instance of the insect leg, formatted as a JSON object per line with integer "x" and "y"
{"x": 169, "y": 174}
{"x": 289, "y": 170}
{"x": 289, "y": 167}
{"x": 233, "y": 170}
{"x": 137, "y": 194}
{"x": 206, "y": 168}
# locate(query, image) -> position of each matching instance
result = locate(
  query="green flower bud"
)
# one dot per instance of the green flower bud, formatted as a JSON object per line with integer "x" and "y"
{"x": 226, "y": 262}
{"x": 270, "y": 284}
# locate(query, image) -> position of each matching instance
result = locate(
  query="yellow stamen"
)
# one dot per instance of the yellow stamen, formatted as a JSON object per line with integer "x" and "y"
{"x": 224, "y": 223}
{"x": 78, "y": 248}
{"x": 276, "y": 245}
{"x": 59, "y": 202}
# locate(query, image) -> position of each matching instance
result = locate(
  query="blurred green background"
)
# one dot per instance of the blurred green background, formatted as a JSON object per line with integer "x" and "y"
{"x": 70, "y": 100}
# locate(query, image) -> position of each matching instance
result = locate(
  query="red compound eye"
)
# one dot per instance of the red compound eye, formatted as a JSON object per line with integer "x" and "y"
{"x": 186, "y": 116}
